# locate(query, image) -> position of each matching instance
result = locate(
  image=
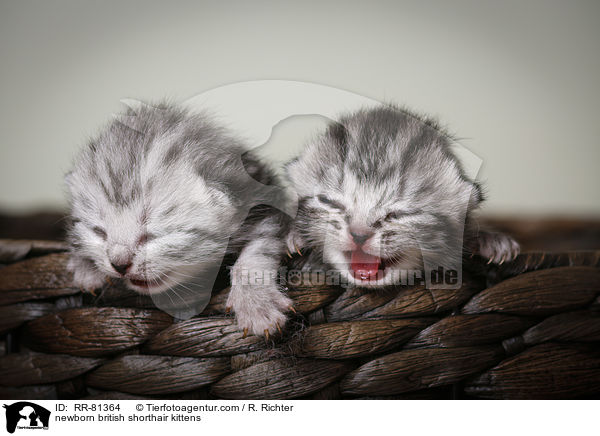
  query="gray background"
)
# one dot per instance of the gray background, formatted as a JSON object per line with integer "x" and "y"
{"x": 517, "y": 81}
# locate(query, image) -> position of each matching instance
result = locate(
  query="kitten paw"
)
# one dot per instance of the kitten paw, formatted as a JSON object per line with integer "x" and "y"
{"x": 497, "y": 247}
{"x": 85, "y": 278}
{"x": 259, "y": 310}
{"x": 293, "y": 244}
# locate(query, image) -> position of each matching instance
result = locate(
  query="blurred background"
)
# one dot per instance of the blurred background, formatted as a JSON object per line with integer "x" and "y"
{"x": 516, "y": 81}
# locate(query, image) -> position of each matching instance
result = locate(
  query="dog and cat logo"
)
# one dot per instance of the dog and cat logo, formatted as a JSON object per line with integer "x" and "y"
{"x": 26, "y": 415}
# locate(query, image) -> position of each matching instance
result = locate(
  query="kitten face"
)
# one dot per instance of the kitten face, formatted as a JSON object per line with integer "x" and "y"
{"x": 145, "y": 207}
{"x": 379, "y": 193}
{"x": 153, "y": 242}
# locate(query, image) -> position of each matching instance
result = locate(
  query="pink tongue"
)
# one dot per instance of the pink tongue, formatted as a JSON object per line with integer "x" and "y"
{"x": 364, "y": 266}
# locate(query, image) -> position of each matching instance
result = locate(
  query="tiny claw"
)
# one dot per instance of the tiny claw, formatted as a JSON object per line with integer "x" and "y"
{"x": 266, "y": 334}
{"x": 93, "y": 292}
{"x": 291, "y": 309}
{"x": 228, "y": 309}
{"x": 490, "y": 261}
{"x": 502, "y": 260}
{"x": 287, "y": 251}
{"x": 278, "y": 328}
{"x": 245, "y": 332}
{"x": 297, "y": 249}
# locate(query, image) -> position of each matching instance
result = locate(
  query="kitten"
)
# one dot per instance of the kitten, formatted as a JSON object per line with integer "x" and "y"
{"x": 379, "y": 192}
{"x": 159, "y": 197}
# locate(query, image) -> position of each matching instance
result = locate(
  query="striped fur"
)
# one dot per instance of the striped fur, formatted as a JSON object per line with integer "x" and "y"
{"x": 391, "y": 174}
{"x": 169, "y": 192}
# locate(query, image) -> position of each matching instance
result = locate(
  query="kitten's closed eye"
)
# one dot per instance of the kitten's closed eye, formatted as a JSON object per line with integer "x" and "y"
{"x": 145, "y": 237}
{"x": 397, "y": 214}
{"x": 100, "y": 232}
{"x": 393, "y": 216}
{"x": 328, "y": 201}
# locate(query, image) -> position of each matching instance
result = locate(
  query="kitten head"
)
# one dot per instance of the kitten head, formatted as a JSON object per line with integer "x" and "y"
{"x": 153, "y": 202}
{"x": 380, "y": 192}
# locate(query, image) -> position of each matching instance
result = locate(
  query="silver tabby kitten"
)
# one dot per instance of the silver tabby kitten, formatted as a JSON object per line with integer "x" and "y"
{"x": 158, "y": 203}
{"x": 380, "y": 191}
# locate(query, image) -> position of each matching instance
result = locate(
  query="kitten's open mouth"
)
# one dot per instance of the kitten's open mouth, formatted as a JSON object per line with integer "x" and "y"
{"x": 365, "y": 266}
{"x": 140, "y": 283}
{"x": 146, "y": 284}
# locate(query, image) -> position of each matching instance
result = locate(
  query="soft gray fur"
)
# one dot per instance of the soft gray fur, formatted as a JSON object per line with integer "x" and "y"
{"x": 163, "y": 190}
{"x": 391, "y": 178}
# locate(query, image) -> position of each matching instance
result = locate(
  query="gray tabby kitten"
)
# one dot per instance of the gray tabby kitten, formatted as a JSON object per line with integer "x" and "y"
{"x": 379, "y": 192}
{"x": 160, "y": 196}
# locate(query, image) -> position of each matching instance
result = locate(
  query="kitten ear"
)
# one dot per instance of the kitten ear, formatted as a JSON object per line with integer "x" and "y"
{"x": 477, "y": 195}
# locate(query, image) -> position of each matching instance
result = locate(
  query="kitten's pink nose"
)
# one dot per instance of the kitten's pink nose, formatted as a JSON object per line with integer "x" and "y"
{"x": 121, "y": 268}
{"x": 360, "y": 236}
{"x": 120, "y": 257}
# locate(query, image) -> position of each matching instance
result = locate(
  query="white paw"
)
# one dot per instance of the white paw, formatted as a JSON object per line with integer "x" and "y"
{"x": 497, "y": 247}
{"x": 85, "y": 277}
{"x": 259, "y": 309}
{"x": 293, "y": 243}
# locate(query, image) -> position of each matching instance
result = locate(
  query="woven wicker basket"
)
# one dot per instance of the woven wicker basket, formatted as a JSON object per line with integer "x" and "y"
{"x": 528, "y": 329}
